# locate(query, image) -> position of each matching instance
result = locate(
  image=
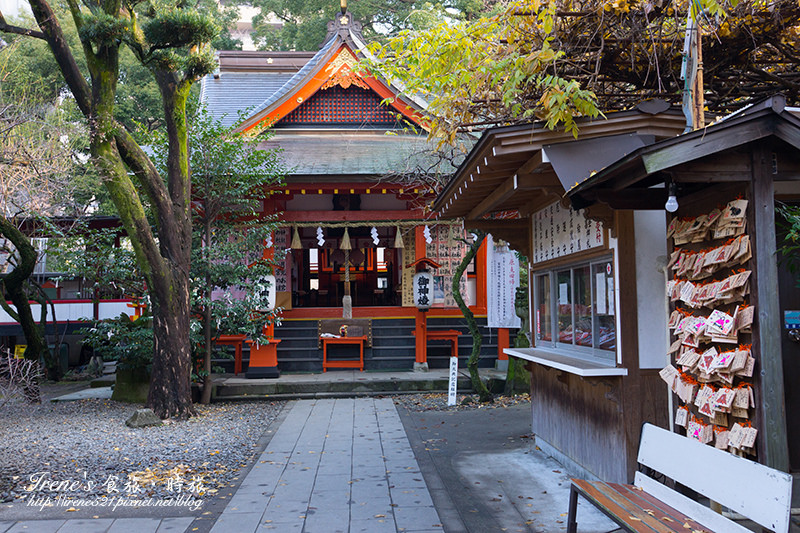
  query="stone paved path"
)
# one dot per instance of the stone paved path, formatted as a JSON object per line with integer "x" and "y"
{"x": 342, "y": 465}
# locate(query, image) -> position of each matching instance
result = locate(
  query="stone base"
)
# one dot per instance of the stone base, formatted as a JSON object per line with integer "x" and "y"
{"x": 421, "y": 367}
{"x": 501, "y": 365}
{"x": 262, "y": 372}
{"x": 131, "y": 386}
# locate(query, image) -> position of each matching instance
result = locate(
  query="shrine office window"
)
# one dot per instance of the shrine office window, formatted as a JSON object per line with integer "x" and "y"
{"x": 574, "y": 309}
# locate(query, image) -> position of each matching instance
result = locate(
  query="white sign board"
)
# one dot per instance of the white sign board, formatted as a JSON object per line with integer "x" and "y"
{"x": 453, "y": 385}
{"x": 423, "y": 290}
{"x": 560, "y": 231}
{"x": 501, "y": 285}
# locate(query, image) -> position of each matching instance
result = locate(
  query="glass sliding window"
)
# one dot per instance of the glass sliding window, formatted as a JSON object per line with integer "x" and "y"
{"x": 544, "y": 306}
{"x": 564, "y": 294}
{"x": 582, "y": 306}
{"x": 575, "y": 309}
{"x": 604, "y": 304}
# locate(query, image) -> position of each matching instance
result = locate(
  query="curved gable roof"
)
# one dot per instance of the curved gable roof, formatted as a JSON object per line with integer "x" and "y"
{"x": 333, "y": 64}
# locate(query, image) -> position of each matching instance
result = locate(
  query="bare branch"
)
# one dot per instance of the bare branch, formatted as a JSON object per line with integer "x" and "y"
{"x": 10, "y": 28}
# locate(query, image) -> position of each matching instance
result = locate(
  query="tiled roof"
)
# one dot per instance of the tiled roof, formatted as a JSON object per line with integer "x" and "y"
{"x": 365, "y": 154}
{"x": 233, "y": 92}
{"x": 296, "y": 80}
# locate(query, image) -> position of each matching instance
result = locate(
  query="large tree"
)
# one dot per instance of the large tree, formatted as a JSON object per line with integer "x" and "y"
{"x": 171, "y": 40}
{"x": 558, "y": 59}
{"x": 231, "y": 178}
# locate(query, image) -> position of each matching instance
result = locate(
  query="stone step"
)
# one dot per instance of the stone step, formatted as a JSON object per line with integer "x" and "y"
{"x": 347, "y": 384}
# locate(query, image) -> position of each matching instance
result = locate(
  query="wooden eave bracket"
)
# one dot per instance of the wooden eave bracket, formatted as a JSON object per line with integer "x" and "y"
{"x": 603, "y": 213}
{"x": 516, "y": 232}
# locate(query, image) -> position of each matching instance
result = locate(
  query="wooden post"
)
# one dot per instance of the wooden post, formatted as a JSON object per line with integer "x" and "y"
{"x": 699, "y": 97}
{"x": 773, "y": 446}
{"x": 481, "y": 278}
{"x": 503, "y": 341}
{"x": 420, "y": 318}
{"x": 421, "y": 337}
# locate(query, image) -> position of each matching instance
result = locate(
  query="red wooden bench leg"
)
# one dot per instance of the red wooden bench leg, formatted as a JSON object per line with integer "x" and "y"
{"x": 572, "y": 523}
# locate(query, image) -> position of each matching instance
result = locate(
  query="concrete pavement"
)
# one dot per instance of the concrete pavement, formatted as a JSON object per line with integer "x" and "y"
{"x": 351, "y": 465}
{"x": 334, "y": 466}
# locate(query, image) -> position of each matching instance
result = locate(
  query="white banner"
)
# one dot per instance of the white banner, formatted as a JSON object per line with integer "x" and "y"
{"x": 501, "y": 285}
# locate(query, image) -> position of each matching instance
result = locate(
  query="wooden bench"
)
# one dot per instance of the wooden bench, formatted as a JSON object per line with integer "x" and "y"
{"x": 444, "y": 335}
{"x": 755, "y": 491}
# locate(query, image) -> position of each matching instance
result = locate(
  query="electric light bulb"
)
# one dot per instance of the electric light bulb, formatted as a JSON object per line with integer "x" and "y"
{"x": 672, "y": 204}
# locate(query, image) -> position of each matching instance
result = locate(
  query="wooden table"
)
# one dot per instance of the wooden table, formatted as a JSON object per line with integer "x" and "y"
{"x": 235, "y": 341}
{"x": 443, "y": 335}
{"x": 346, "y": 363}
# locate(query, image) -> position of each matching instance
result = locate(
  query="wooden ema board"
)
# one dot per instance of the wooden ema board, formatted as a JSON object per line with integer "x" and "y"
{"x": 713, "y": 358}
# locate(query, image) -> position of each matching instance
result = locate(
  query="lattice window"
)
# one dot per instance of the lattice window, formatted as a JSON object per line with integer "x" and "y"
{"x": 336, "y": 105}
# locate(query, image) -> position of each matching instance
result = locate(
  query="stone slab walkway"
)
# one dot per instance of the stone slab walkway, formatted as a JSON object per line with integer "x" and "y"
{"x": 334, "y": 465}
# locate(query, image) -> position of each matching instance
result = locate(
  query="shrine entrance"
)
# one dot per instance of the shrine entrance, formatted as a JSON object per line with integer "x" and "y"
{"x": 318, "y": 273}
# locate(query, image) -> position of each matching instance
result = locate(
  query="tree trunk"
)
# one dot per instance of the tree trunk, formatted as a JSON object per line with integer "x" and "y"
{"x": 170, "y": 384}
{"x": 484, "y": 395}
{"x": 170, "y": 394}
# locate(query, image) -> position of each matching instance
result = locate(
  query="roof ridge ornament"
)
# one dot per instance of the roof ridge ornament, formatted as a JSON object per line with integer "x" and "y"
{"x": 343, "y": 25}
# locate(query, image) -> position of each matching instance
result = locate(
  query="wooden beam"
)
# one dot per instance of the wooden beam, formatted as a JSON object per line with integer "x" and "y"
{"x": 772, "y": 436}
{"x": 644, "y": 199}
{"x": 502, "y": 193}
{"x": 710, "y": 176}
{"x": 703, "y": 146}
{"x": 350, "y": 216}
{"x": 532, "y": 165}
{"x": 788, "y": 132}
{"x": 516, "y": 231}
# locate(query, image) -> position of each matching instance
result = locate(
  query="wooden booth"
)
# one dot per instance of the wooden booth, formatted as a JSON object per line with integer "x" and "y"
{"x": 354, "y": 206}
{"x": 596, "y": 279}
{"x": 732, "y": 356}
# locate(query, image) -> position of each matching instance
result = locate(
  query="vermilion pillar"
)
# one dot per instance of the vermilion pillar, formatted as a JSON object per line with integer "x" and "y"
{"x": 420, "y": 319}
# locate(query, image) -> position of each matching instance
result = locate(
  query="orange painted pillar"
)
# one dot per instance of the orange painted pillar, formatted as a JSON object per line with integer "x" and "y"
{"x": 503, "y": 341}
{"x": 481, "y": 273}
{"x": 420, "y": 318}
{"x": 421, "y": 337}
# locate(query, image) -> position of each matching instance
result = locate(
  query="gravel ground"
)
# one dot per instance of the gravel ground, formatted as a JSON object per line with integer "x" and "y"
{"x": 438, "y": 402}
{"x": 86, "y": 445}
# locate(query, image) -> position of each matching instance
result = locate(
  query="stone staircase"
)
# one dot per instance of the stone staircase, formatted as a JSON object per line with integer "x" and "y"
{"x": 392, "y": 347}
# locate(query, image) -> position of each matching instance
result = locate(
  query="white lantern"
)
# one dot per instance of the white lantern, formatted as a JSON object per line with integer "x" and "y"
{"x": 268, "y": 288}
{"x": 423, "y": 290}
